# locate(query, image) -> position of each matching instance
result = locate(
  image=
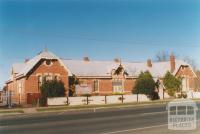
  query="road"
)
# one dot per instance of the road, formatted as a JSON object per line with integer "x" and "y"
{"x": 131, "y": 120}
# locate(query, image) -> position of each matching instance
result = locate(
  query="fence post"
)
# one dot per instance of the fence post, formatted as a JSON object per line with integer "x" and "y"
{"x": 163, "y": 94}
{"x": 9, "y": 99}
{"x": 87, "y": 100}
{"x": 67, "y": 100}
{"x": 137, "y": 97}
{"x": 122, "y": 98}
{"x": 19, "y": 98}
{"x": 105, "y": 99}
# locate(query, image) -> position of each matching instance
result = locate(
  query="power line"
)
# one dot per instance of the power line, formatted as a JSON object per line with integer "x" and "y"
{"x": 136, "y": 43}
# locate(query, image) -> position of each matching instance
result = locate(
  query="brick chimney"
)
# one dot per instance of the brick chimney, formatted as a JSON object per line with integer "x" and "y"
{"x": 117, "y": 60}
{"x": 26, "y": 60}
{"x": 149, "y": 63}
{"x": 86, "y": 59}
{"x": 172, "y": 63}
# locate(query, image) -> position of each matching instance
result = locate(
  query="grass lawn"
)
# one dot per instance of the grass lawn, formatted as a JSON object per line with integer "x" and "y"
{"x": 11, "y": 111}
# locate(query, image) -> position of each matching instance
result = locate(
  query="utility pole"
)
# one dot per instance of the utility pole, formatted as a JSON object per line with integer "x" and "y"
{"x": 9, "y": 99}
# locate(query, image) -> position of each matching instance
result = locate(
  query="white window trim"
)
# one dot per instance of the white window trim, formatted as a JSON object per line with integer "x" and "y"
{"x": 122, "y": 86}
{"x": 97, "y": 86}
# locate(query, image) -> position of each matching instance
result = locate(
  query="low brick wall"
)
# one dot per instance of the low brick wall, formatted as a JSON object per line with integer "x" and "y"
{"x": 97, "y": 100}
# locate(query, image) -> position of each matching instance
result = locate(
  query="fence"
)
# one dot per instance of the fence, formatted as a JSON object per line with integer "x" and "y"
{"x": 193, "y": 95}
{"x": 4, "y": 96}
{"x": 96, "y": 100}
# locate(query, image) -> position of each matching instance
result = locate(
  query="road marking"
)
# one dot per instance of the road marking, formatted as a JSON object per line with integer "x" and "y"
{"x": 135, "y": 129}
{"x": 150, "y": 113}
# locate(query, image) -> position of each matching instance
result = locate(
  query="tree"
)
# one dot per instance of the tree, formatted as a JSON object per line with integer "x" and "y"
{"x": 162, "y": 56}
{"x": 52, "y": 88}
{"x": 145, "y": 84}
{"x": 73, "y": 81}
{"x": 191, "y": 62}
{"x": 172, "y": 84}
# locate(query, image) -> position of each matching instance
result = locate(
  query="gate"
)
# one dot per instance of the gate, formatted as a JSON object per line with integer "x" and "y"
{"x": 32, "y": 98}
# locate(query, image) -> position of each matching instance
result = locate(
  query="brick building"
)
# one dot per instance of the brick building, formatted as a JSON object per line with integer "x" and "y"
{"x": 99, "y": 77}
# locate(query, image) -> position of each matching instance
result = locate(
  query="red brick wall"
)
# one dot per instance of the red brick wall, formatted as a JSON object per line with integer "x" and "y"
{"x": 185, "y": 71}
{"x": 105, "y": 85}
{"x": 12, "y": 86}
{"x": 31, "y": 82}
{"x": 189, "y": 74}
{"x": 129, "y": 85}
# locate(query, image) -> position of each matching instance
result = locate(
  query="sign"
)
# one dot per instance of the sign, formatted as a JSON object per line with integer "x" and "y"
{"x": 182, "y": 114}
{"x": 83, "y": 89}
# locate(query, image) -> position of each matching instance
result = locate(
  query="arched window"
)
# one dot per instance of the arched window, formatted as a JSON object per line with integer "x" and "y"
{"x": 96, "y": 85}
{"x": 117, "y": 85}
{"x": 40, "y": 79}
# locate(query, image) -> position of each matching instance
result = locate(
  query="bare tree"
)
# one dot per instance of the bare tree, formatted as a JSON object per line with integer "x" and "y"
{"x": 162, "y": 56}
{"x": 191, "y": 61}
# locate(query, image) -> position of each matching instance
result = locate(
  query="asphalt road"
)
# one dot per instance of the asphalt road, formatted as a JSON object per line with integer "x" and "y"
{"x": 132, "y": 120}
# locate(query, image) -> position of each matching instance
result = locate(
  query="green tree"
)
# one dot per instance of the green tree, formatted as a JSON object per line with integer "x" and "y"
{"x": 172, "y": 84}
{"x": 73, "y": 81}
{"x": 52, "y": 88}
{"x": 145, "y": 84}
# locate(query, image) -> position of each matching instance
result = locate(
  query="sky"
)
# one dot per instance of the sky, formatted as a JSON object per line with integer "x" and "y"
{"x": 133, "y": 30}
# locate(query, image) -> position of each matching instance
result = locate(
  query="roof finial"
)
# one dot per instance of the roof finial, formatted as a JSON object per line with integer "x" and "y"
{"x": 45, "y": 48}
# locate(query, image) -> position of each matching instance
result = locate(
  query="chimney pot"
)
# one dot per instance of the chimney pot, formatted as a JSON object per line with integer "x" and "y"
{"x": 86, "y": 59}
{"x": 149, "y": 63}
{"x": 26, "y": 60}
{"x": 117, "y": 60}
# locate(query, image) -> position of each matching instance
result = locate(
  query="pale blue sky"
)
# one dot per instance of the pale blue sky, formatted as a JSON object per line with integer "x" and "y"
{"x": 101, "y": 29}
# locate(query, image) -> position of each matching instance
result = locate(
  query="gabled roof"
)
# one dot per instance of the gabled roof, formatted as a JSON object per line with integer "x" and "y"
{"x": 17, "y": 67}
{"x": 83, "y": 68}
{"x": 31, "y": 63}
{"x": 90, "y": 68}
{"x": 104, "y": 68}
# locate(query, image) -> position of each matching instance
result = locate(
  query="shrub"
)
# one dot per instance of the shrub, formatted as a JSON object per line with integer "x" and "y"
{"x": 155, "y": 96}
{"x": 73, "y": 81}
{"x": 86, "y": 95}
{"x": 52, "y": 88}
{"x": 117, "y": 93}
{"x": 184, "y": 95}
{"x": 144, "y": 84}
{"x": 172, "y": 84}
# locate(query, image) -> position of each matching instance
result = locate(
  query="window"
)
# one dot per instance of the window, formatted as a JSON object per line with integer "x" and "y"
{"x": 56, "y": 77}
{"x": 96, "y": 85}
{"x": 117, "y": 86}
{"x": 48, "y": 77}
{"x": 39, "y": 81}
{"x": 19, "y": 87}
{"x": 48, "y": 62}
{"x": 83, "y": 83}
